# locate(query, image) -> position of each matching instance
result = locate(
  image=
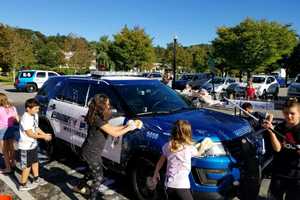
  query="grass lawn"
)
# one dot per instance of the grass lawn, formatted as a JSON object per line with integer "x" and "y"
{"x": 7, "y": 80}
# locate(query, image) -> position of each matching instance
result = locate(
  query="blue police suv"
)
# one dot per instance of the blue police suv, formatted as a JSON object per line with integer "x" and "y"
{"x": 218, "y": 174}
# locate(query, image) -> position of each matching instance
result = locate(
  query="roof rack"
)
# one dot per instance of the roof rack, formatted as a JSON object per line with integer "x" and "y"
{"x": 114, "y": 73}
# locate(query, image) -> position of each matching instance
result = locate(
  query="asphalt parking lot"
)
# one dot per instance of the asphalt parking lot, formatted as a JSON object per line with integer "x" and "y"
{"x": 63, "y": 173}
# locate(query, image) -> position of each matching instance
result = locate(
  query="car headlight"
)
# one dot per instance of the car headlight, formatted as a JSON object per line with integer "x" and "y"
{"x": 216, "y": 150}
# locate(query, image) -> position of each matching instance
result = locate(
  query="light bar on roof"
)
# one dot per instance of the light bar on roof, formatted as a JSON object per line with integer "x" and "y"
{"x": 111, "y": 73}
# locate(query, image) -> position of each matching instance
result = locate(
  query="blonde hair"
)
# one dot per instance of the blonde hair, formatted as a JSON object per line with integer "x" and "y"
{"x": 181, "y": 135}
{"x": 4, "y": 101}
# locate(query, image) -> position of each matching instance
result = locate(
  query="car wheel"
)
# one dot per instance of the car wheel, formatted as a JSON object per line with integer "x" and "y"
{"x": 142, "y": 169}
{"x": 31, "y": 88}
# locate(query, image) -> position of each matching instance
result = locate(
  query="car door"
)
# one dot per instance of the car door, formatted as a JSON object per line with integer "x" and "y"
{"x": 67, "y": 110}
{"x": 40, "y": 78}
{"x": 113, "y": 145}
{"x": 272, "y": 85}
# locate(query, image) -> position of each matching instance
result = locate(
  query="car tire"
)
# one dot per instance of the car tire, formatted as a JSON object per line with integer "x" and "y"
{"x": 31, "y": 88}
{"x": 141, "y": 169}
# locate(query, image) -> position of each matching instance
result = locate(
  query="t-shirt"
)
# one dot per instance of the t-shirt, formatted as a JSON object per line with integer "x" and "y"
{"x": 28, "y": 122}
{"x": 178, "y": 166}
{"x": 7, "y": 116}
{"x": 287, "y": 162}
{"x": 95, "y": 141}
{"x": 250, "y": 92}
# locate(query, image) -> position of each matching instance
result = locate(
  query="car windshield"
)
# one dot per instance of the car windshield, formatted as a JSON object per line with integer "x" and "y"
{"x": 257, "y": 79}
{"x": 151, "y": 98}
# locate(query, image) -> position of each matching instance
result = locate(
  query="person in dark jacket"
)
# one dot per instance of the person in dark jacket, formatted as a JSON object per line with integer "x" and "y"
{"x": 286, "y": 164}
{"x": 98, "y": 128}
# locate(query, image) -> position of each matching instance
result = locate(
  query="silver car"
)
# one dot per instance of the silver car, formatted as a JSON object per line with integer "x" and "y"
{"x": 294, "y": 87}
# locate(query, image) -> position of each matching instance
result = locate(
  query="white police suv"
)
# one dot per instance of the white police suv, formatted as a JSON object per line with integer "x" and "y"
{"x": 235, "y": 156}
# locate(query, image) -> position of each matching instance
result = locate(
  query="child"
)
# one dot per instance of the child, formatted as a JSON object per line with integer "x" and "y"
{"x": 27, "y": 145}
{"x": 285, "y": 179}
{"x": 8, "y": 116}
{"x": 178, "y": 153}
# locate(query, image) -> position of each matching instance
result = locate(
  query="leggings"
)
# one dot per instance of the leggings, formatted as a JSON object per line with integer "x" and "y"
{"x": 280, "y": 186}
{"x": 96, "y": 173}
{"x": 179, "y": 194}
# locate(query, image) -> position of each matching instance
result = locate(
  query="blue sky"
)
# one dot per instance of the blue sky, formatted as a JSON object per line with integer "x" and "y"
{"x": 192, "y": 21}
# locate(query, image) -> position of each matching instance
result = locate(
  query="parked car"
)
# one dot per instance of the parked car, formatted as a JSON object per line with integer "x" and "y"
{"x": 215, "y": 175}
{"x": 199, "y": 80}
{"x": 32, "y": 80}
{"x": 265, "y": 86}
{"x": 184, "y": 79}
{"x": 294, "y": 87}
{"x": 220, "y": 84}
{"x": 279, "y": 79}
{"x": 236, "y": 90}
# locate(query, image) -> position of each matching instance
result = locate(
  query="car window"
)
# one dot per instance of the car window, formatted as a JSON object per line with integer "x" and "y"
{"x": 41, "y": 75}
{"x": 270, "y": 80}
{"x": 103, "y": 89}
{"x": 26, "y": 74}
{"x": 258, "y": 79}
{"x": 297, "y": 79}
{"x": 50, "y": 74}
{"x": 150, "y": 98}
{"x": 74, "y": 92}
{"x": 47, "y": 87}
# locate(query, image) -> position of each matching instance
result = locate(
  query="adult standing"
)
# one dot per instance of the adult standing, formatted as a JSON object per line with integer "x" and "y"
{"x": 98, "y": 128}
{"x": 286, "y": 164}
{"x": 8, "y": 117}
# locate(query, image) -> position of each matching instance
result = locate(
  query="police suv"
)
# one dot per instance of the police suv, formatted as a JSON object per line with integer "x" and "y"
{"x": 218, "y": 174}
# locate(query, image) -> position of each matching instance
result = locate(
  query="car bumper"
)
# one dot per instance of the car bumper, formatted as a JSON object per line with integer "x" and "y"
{"x": 215, "y": 179}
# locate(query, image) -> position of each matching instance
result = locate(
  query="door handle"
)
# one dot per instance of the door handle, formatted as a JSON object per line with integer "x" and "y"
{"x": 53, "y": 106}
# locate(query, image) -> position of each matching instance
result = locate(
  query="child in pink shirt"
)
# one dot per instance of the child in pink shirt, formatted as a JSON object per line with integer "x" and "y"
{"x": 8, "y": 117}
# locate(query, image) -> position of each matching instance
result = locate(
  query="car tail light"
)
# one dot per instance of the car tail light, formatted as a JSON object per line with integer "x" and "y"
{"x": 17, "y": 81}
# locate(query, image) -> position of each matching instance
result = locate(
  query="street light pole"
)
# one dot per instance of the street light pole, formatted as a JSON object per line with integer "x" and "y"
{"x": 174, "y": 61}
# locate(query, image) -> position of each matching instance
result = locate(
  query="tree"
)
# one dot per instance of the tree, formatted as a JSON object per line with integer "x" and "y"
{"x": 254, "y": 45}
{"x": 15, "y": 49}
{"x": 200, "y": 56}
{"x": 132, "y": 48}
{"x": 50, "y": 55}
{"x": 82, "y": 54}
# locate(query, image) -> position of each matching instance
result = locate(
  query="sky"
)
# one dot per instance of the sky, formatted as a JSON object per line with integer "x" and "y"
{"x": 191, "y": 21}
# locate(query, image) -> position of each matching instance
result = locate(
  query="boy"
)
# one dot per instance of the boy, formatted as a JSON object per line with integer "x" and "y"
{"x": 27, "y": 145}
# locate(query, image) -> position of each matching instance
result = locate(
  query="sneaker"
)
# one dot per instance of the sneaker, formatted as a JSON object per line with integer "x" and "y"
{"x": 40, "y": 181}
{"x": 27, "y": 186}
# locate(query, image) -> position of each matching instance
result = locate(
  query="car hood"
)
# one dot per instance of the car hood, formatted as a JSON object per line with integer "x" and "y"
{"x": 205, "y": 123}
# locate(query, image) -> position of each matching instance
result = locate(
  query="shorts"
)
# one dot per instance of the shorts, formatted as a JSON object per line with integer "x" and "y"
{"x": 9, "y": 133}
{"x": 27, "y": 157}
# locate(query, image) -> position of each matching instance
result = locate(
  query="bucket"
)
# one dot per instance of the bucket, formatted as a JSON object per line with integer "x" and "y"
{"x": 5, "y": 197}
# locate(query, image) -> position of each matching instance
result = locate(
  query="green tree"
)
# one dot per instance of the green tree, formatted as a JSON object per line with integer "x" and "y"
{"x": 254, "y": 45}
{"x": 82, "y": 54}
{"x": 184, "y": 58}
{"x": 50, "y": 55}
{"x": 15, "y": 49}
{"x": 132, "y": 48}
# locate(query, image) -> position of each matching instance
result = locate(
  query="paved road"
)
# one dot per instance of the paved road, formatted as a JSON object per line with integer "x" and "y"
{"x": 62, "y": 174}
